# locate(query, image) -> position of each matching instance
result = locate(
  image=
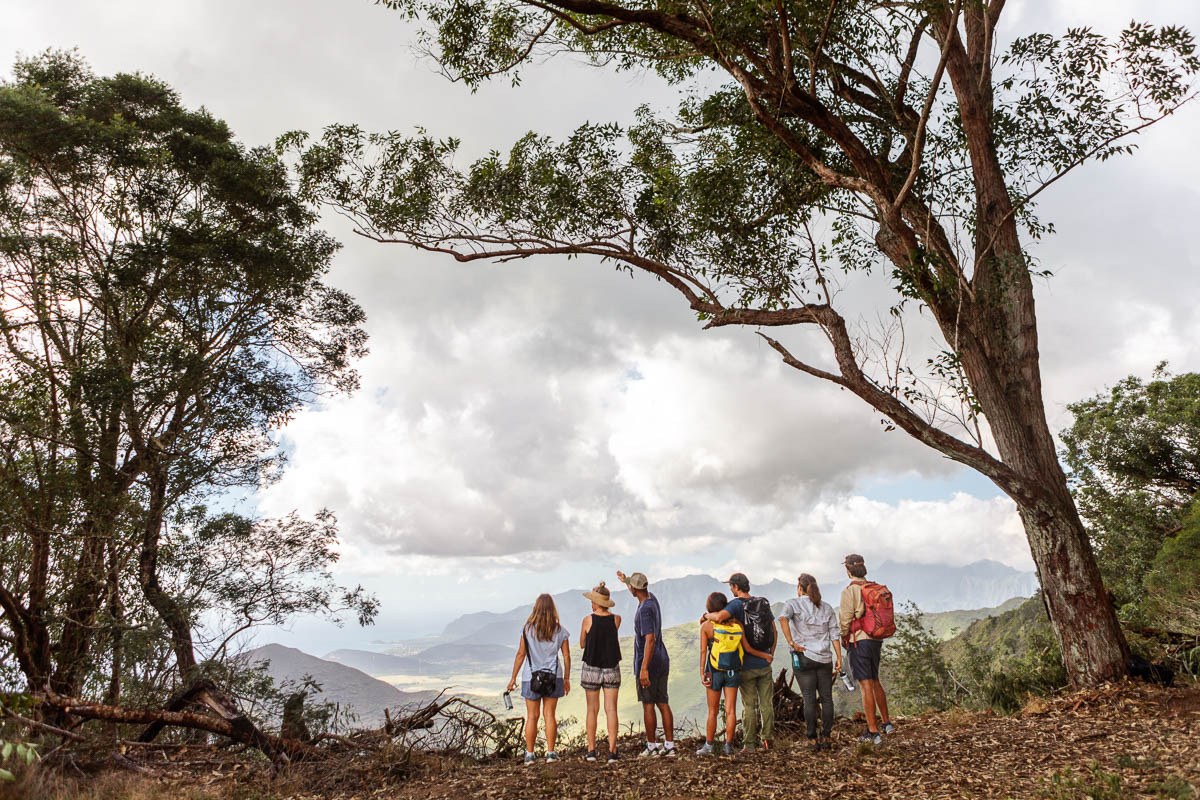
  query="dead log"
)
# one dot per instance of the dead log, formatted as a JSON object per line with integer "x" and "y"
{"x": 230, "y": 724}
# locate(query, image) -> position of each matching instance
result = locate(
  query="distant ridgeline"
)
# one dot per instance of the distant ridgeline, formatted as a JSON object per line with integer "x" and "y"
{"x": 934, "y": 588}
{"x": 476, "y": 650}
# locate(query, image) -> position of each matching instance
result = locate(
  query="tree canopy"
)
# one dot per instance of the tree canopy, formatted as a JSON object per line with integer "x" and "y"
{"x": 813, "y": 142}
{"x": 163, "y": 312}
{"x": 1134, "y": 456}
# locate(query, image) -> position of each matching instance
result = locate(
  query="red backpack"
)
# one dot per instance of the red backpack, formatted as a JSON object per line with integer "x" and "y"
{"x": 879, "y": 619}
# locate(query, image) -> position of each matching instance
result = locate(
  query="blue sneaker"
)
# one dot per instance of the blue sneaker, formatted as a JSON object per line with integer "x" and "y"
{"x": 729, "y": 749}
{"x": 871, "y": 737}
{"x": 551, "y": 757}
{"x": 889, "y": 728}
{"x": 707, "y": 750}
{"x": 528, "y": 759}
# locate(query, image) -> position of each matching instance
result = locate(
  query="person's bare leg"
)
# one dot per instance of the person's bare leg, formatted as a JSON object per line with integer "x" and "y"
{"x": 714, "y": 708}
{"x": 731, "y": 695}
{"x": 610, "y": 716}
{"x": 532, "y": 709}
{"x": 549, "y": 707}
{"x": 668, "y": 720}
{"x": 881, "y": 703}
{"x": 650, "y": 721}
{"x": 590, "y": 717}
{"x": 868, "y": 698}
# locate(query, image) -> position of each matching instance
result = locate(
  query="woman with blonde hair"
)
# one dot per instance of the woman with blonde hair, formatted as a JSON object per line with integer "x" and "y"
{"x": 601, "y": 667}
{"x": 543, "y": 679}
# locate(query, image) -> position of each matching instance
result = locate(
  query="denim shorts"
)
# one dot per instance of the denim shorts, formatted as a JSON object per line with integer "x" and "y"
{"x": 722, "y": 678}
{"x": 528, "y": 694}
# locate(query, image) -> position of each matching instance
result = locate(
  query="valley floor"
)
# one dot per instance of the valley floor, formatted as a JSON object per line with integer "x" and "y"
{"x": 1123, "y": 741}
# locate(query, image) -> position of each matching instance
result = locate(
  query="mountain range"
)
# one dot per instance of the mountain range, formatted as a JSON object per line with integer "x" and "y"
{"x": 485, "y": 641}
{"x": 363, "y": 696}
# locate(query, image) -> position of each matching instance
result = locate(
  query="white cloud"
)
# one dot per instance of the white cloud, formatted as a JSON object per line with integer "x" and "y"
{"x": 519, "y": 417}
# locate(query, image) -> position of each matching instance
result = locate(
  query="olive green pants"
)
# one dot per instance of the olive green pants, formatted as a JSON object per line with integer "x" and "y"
{"x": 758, "y": 689}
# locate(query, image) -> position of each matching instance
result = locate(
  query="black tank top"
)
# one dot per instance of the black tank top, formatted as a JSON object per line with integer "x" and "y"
{"x": 601, "y": 649}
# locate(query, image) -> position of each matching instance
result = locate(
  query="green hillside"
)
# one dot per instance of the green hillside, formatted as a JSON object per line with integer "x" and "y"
{"x": 947, "y": 624}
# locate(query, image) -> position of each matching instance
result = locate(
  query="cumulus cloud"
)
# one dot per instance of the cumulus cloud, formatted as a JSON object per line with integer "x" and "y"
{"x": 516, "y": 418}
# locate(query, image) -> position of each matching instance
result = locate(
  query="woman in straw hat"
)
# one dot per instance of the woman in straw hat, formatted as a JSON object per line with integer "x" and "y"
{"x": 601, "y": 667}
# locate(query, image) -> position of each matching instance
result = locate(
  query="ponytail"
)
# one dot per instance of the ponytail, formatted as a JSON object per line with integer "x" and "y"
{"x": 809, "y": 584}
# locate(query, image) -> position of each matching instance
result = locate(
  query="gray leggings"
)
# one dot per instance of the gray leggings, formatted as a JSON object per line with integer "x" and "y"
{"x": 816, "y": 677}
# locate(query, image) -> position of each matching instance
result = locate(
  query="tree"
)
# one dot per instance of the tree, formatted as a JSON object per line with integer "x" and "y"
{"x": 163, "y": 312}
{"x": 1134, "y": 460}
{"x": 849, "y": 136}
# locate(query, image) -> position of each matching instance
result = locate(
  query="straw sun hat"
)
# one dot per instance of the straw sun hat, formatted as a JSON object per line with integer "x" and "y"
{"x": 599, "y": 596}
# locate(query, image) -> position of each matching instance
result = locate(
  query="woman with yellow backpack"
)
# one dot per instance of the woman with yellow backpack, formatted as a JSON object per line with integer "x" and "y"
{"x": 722, "y": 646}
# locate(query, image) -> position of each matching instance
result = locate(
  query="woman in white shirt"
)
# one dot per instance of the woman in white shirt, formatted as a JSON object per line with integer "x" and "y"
{"x": 810, "y": 627}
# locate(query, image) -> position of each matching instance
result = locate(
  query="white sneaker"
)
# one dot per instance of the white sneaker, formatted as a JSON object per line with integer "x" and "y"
{"x": 669, "y": 750}
{"x": 651, "y": 750}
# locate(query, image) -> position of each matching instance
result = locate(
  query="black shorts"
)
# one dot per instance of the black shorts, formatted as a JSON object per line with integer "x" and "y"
{"x": 864, "y": 659}
{"x": 656, "y": 692}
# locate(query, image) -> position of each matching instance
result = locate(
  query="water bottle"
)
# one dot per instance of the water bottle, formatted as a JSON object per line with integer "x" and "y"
{"x": 847, "y": 682}
{"x": 797, "y": 665}
{"x": 507, "y": 701}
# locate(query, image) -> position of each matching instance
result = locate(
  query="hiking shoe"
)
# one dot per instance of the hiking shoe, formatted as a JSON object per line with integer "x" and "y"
{"x": 889, "y": 728}
{"x": 729, "y": 749}
{"x": 591, "y": 755}
{"x": 612, "y": 757}
{"x": 707, "y": 750}
{"x": 815, "y": 745}
{"x": 649, "y": 751}
{"x": 551, "y": 757}
{"x": 528, "y": 759}
{"x": 871, "y": 737}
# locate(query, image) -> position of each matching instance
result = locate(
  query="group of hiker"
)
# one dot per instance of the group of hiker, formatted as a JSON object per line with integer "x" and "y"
{"x": 738, "y": 639}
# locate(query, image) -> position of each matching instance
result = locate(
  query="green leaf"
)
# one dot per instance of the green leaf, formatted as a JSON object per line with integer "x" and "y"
{"x": 5, "y": 775}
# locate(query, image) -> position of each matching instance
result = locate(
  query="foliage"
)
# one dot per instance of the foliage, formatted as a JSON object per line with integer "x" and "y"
{"x": 1134, "y": 456}
{"x": 21, "y": 752}
{"x": 1171, "y": 599}
{"x": 814, "y": 144}
{"x": 163, "y": 312}
{"x": 996, "y": 663}
{"x": 921, "y": 678}
{"x": 1092, "y": 783}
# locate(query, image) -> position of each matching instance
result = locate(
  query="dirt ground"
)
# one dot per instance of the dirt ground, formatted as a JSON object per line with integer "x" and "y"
{"x": 1124, "y": 741}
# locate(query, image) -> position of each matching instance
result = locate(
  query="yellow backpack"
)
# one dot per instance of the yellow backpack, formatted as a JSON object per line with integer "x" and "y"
{"x": 726, "y": 651}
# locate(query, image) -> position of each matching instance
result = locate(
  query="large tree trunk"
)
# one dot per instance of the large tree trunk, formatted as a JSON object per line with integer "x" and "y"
{"x": 996, "y": 328}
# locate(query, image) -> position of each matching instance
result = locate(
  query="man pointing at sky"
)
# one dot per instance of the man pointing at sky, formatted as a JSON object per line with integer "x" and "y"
{"x": 651, "y": 666}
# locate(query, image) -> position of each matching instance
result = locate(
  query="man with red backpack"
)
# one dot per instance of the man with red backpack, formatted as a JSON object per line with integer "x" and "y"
{"x": 866, "y": 618}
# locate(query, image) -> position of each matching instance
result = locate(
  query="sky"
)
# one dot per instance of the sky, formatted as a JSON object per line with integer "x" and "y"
{"x": 535, "y": 426}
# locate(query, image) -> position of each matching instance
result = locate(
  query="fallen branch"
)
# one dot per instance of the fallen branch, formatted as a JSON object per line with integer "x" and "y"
{"x": 234, "y": 726}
